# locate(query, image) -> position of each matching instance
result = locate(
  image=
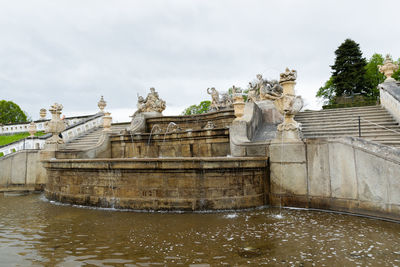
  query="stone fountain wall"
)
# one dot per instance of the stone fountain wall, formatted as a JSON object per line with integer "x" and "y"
{"x": 160, "y": 184}
{"x": 220, "y": 119}
{"x": 343, "y": 174}
{"x": 198, "y": 143}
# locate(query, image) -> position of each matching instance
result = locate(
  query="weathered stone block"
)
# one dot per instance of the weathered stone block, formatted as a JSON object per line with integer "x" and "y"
{"x": 372, "y": 177}
{"x": 342, "y": 171}
{"x": 287, "y": 152}
{"x": 289, "y": 178}
{"x": 318, "y": 170}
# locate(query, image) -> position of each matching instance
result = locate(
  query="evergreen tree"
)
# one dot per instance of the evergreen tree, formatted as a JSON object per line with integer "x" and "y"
{"x": 349, "y": 70}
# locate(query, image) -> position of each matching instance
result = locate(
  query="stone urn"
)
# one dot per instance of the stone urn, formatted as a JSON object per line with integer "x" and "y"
{"x": 102, "y": 104}
{"x": 43, "y": 113}
{"x": 107, "y": 119}
{"x": 55, "y": 126}
{"x": 32, "y": 129}
{"x": 388, "y": 68}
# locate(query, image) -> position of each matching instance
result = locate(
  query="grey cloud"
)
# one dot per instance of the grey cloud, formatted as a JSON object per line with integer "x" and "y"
{"x": 74, "y": 51}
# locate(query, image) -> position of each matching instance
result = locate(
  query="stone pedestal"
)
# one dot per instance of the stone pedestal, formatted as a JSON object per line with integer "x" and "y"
{"x": 107, "y": 119}
{"x": 288, "y": 171}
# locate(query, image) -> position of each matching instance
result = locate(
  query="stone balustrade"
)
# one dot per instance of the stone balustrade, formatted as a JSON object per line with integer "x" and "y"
{"x": 82, "y": 125}
{"x": 390, "y": 98}
{"x": 40, "y": 124}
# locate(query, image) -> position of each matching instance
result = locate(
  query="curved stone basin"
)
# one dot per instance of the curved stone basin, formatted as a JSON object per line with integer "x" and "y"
{"x": 160, "y": 183}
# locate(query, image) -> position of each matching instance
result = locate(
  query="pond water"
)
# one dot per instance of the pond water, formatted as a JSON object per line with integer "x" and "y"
{"x": 36, "y": 232}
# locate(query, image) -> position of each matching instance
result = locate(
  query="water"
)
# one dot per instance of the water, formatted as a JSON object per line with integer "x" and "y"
{"x": 156, "y": 128}
{"x": 34, "y": 232}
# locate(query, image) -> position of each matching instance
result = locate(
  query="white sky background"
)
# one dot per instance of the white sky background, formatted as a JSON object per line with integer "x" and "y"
{"x": 72, "y": 52}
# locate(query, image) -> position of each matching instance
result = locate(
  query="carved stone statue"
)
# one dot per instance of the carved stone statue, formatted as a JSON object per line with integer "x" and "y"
{"x": 219, "y": 100}
{"x": 151, "y": 106}
{"x": 271, "y": 90}
{"x": 214, "y": 98}
{"x": 152, "y": 103}
{"x": 263, "y": 89}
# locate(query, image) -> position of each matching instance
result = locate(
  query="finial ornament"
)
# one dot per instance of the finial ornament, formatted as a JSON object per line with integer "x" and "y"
{"x": 42, "y": 113}
{"x": 288, "y": 76}
{"x": 32, "y": 129}
{"x": 388, "y": 68}
{"x": 102, "y": 104}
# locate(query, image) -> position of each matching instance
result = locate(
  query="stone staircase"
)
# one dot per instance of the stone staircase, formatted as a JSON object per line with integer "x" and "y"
{"x": 91, "y": 138}
{"x": 377, "y": 124}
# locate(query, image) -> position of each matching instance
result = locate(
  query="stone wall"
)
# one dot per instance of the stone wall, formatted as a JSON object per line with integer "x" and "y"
{"x": 221, "y": 119}
{"x": 197, "y": 143}
{"x": 345, "y": 174}
{"x": 22, "y": 169}
{"x": 160, "y": 184}
{"x": 390, "y": 98}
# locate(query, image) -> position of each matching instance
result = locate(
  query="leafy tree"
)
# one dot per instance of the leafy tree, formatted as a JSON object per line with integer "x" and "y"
{"x": 327, "y": 92}
{"x": 372, "y": 73}
{"x": 11, "y": 113}
{"x": 349, "y": 70}
{"x": 203, "y": 107}
{"x": 396, "y": 75}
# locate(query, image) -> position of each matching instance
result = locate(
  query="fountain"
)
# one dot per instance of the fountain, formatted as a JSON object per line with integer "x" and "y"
{"x": 200, "y": 176}
{"x": 249, "y": 156}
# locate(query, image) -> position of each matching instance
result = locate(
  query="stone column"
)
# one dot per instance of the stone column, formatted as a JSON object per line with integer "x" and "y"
{"x": 238, "y": 103}
{"x": 287, "y": 151}
{"x": 288, "y": 105}
{"x": 107, "y": 119}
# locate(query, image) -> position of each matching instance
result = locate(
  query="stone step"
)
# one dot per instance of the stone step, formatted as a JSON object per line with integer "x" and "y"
{"x": 344, "y": 118}
{"x": 348, "y": 121}
{"x": 352, "y": 130}
{"x": 343, "y": 110}
{"x": 366, "y": 126}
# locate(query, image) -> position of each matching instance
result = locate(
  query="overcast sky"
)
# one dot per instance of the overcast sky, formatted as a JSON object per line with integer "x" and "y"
{"x": 72, "y": 52}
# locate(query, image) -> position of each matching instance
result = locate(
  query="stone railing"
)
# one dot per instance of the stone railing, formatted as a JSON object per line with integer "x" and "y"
{"x": 68, "y": 134}
{"x": 40, "y": 125}
{"x": 82, "y": 127}
{"x": 27, "y": 143}
{"x": 390, "y": 98}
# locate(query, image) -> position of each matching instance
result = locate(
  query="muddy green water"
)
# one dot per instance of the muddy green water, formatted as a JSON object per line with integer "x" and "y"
{"x": 35, "y": 232}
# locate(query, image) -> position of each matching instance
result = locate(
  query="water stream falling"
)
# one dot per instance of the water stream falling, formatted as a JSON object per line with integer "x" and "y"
{"x": 166, "y": 131}
{"x": 157, "y": 128}
{"x": 279, "y": 216}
